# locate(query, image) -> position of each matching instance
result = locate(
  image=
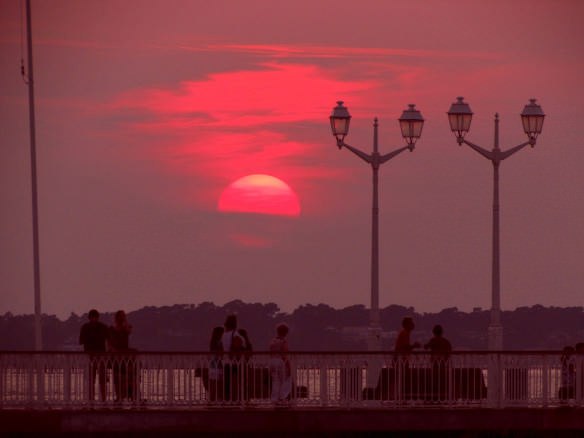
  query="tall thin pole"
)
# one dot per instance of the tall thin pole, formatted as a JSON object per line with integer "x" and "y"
{"x": 374, "y": 323}
{"x": 495, "y": 328}
{"x": 38, "y": 341}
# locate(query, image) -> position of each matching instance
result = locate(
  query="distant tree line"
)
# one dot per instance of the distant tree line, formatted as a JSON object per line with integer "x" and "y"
{"x": 187, "y": 327}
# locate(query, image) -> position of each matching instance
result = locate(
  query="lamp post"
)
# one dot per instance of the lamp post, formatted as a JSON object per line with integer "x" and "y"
{"x": 411, "y": 123}
{"x": 460, "y": 117}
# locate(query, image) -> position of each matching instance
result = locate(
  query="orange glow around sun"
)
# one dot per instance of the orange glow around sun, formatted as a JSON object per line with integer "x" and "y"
{"x": 262, "y": 194}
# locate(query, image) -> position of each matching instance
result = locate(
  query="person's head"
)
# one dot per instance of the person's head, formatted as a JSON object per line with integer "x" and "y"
{"x": 580, "y": 347}
{"x": 230, "y": 322}
{"x": 567, "y": 352}
{"x": 120, "y": 317}
{"x": 437, "y": 330}
{"x": 216, "y": 336}
{"x": 408, "y": 323}
{"x": 282, "y": 330}
{"x": 93, "y": 315}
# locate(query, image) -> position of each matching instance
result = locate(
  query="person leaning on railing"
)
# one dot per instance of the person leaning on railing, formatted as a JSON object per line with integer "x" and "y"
{"x": 567, "y": 374}
{"x": 93, "y": 336}
{"x": 440, "y": 348}
{"x": 280, "y": 366}
{"x": 235, "y": 344}
{"x": 124, "y": 366}
{"x": 216, "y": 365}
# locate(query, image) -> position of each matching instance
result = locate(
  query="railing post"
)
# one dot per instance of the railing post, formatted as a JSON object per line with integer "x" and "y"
{"x": 170, "y": 381}
{"x": 67, "y": 379}
{"x": 578, "y": 393}
{"x": 324, "y": 383}
{"x": 494, "y": 392}
{"x": 31, "y": 382}
{"x": 545, "y": 383}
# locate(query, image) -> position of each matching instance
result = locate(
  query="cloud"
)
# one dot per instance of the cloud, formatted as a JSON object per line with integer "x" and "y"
{"x": 318, "y": 51}
{"x": 277, "y": 93}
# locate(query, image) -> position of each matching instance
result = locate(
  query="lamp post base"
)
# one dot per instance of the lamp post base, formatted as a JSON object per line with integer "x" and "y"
{"x": 374, "y": 364}
{"x": 374, "y": 338}
{"x": 495, "y": 338}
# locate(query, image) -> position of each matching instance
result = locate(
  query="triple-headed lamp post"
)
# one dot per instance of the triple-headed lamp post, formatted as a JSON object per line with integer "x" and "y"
{"x": 460, "y": 117}
{"x": 411, "y": 123}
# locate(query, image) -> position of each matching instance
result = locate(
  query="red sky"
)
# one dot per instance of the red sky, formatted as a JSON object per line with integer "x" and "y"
{"x": 147, "y": 110}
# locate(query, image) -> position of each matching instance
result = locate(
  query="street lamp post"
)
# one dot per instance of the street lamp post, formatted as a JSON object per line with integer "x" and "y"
{"x": 411, "y": 123}
{"x": 460, "y": 117}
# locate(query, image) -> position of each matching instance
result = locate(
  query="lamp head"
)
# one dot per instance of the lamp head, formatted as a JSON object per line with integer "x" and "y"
{"x": 532, "y": 118}
{"x": 340, "y": 119}
{"x": 411, "y": 123}
{"x": 459, "y": 117}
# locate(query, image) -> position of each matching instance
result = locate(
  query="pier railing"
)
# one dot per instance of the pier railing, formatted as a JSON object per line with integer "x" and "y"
{"x": 49, "y": 380}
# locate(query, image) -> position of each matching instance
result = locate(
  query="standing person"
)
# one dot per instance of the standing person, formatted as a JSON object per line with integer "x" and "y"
{"x": 123, "y": 366}
{"x": 216, "y": 365}
{"x": 580, "y": 366}
{"x": 440, "y": 348}
{"x": 401, "y": 363}
{"x": 438, "y": 345}
{"x": 280, "y": 366}
{"x": 568, "y": 375}
{"x": 246, "y": 371}
{"x": 93, "y": 337}
{"x": 233, "y": 343}
{"x": 402, "y": 343}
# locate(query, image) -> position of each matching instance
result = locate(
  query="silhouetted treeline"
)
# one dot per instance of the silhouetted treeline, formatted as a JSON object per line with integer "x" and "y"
{"x": 312, "y": 328}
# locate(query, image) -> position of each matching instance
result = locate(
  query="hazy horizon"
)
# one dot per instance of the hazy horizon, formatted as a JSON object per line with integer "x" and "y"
{"x": 148, "y": 113}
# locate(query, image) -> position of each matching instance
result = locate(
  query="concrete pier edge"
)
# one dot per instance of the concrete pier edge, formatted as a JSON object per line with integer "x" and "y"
{"x": 321, "y": 421}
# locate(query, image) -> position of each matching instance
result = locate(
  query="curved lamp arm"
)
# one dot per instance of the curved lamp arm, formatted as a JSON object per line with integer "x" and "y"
{"x": 365, "y": 157}
{"x": 485, "y": 153}
{"x": 513, "y": 150}
{"x": 389, "y": 156}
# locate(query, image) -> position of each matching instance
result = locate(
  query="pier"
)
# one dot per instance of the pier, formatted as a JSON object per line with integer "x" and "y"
{"x": 331, "y": 393}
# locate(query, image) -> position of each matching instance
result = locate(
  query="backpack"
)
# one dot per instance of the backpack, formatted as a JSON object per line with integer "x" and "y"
{"x": 238, "y": 347}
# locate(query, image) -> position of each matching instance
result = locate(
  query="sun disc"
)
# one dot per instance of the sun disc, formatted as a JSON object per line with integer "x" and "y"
{"x": 259, "y": 193}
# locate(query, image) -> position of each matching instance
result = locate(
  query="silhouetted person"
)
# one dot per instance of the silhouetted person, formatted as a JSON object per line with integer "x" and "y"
{"x": 93, "y": 337}
{"x": 280, "y": 366}
{"x": 233, "y": 343}
{"x": 568, "y": 374}
{"x": 248, "y": 347}
{"x": 403, "y": 347}
{"x": 123, "y": 365}
{"x": 216, "y": 365}
{"x": 580, "y": 352}
{"x": 440, "y": 348}
{"x": 402, "y": 343}
{"x": 245, "y": 372}
{"x": 438, "y": 345}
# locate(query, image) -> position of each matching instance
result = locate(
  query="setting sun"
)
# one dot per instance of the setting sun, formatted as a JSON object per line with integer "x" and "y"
{"x": 262, "y": 194}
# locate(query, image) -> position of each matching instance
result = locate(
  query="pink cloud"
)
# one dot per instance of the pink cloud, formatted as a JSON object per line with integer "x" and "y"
{"x": 318, "y": 51}
{"x": 277, "y": 93}
{"x": 250, "y": 240}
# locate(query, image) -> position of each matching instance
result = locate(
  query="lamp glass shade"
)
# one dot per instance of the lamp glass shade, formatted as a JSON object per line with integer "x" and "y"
{"x": 339, "y": 126}
{"x": 340, "y": 119}
{"x": 532, "y": 118}
{"x": 459, "y": 117}
{"x": 411, "y": 123}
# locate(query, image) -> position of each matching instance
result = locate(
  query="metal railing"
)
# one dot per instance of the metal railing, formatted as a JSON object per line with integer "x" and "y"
{"x": 47, "y": 380}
